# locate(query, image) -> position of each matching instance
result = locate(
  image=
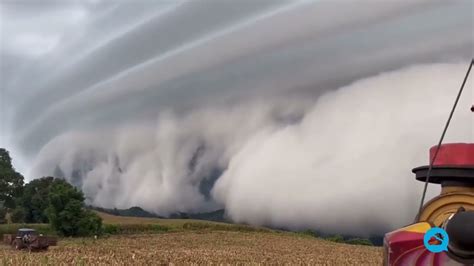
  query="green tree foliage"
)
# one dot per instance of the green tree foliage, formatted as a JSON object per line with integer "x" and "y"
{"x": 44, "y": 200}
{"x": 18, "y": 215}
{"x": 67, "y": 214}
{"x": 336, "y": 238}
{"x": 352, "y": 241}
{"x": 34, "y": 199}
{"x": 359, "y": 241}
{"x": 11, "y": 182}
{"x": 3, "y": 213}
{"x": 89, "y": 224}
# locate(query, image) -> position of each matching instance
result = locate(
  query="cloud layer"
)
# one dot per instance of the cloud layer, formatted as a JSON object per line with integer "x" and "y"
{"x": 346, "y": 158}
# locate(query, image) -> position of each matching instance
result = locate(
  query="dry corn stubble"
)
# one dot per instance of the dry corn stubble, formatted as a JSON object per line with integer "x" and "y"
{"x": 199, "y": 248}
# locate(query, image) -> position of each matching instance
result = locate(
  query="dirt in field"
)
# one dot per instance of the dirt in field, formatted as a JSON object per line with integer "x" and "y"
{"x": 200, "y": 248}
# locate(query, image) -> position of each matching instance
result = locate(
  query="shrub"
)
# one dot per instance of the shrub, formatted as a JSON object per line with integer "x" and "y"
{"x": 110, "y": 229}
{"x": 359, "y": 241}
{"x": 89, "y": 224}
{"x": 335, "y": 238}
{"x": 308, "y": 233}
{"x": 67, "y": 214}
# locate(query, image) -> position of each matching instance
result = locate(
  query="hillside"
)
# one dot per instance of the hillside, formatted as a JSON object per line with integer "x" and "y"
{"x": 217, "y": 215}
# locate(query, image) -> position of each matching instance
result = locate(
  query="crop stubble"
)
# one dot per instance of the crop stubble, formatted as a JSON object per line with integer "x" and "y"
{"x": 199, "y": 248}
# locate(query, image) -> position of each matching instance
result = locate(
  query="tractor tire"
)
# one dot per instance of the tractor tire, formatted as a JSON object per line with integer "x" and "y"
{"x": 17, "y": 245}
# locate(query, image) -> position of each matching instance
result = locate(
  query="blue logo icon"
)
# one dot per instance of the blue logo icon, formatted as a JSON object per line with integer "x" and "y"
{"x": 436, "y": 240}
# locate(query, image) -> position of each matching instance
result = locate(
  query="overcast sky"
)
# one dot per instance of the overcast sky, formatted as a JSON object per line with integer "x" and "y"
{"x": 89, "y": 87}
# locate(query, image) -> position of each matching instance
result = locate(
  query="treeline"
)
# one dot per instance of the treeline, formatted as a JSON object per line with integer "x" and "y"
{"x": 45, "y": 200}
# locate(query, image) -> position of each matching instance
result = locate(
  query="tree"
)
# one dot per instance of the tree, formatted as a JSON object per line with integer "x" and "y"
{"x": 11, "y": 182}
{"x": 67, "y": 214}
{"x": 34, "y": 199}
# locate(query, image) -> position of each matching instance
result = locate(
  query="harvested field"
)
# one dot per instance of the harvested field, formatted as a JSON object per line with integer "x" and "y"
{"x": 199, "y": 247}
{"x": 185, "y": 241}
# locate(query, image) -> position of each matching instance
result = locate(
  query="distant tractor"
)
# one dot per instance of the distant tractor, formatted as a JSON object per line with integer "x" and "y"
{"x": 29, "y": 239}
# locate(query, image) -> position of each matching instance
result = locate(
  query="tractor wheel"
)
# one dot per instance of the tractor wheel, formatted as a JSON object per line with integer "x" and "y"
{"x": 16, "y": 245}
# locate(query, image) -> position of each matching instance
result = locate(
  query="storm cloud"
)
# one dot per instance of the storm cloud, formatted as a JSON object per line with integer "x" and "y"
{"x": 285, "y": 113}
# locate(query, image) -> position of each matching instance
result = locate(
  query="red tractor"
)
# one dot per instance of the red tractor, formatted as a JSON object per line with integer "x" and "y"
{"x": 449, "y": 215}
